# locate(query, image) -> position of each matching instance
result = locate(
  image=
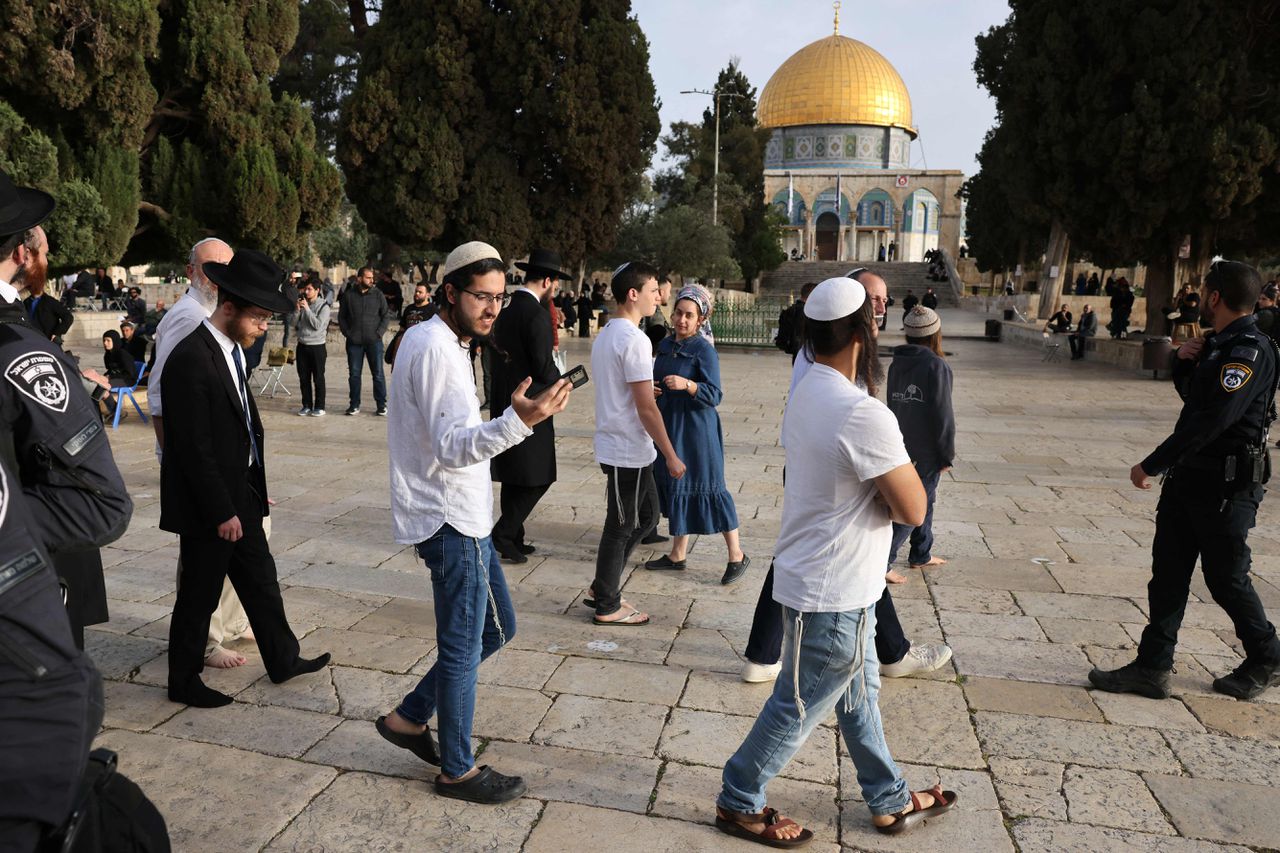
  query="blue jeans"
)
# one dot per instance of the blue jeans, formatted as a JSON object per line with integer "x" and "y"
{"x": 832, "y": 657}
{"x": 474, "y": 618}
{"x": 372, "y": 353}
{"x": 922, "y": 536}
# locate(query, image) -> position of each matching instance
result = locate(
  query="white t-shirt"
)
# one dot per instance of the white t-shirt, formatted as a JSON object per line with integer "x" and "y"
{"x": 834, "y": 544}
{"x": 620, "y": 355}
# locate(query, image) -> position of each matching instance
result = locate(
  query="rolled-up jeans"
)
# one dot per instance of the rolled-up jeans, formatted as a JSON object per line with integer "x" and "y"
{"x": 829, "y": 661}
{"x": 474, "y": 618}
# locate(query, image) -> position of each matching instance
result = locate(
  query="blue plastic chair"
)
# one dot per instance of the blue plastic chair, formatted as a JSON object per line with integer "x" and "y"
{"x": 127, "y": 391}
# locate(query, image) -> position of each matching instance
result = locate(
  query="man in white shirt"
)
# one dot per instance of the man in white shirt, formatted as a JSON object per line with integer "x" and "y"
{"x": 848, "y": 478}
{"x": 229, "y": 621}
{"x": 628, "y": 425}
{"x": 442, "y": 503}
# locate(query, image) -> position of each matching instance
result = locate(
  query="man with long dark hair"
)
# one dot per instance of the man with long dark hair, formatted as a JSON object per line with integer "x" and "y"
{"x": 849, "y": 478}
{"x": 442, "y": 504}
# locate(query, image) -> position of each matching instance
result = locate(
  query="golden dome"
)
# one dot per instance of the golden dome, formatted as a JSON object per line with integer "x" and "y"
{"x": 836, "y": 80}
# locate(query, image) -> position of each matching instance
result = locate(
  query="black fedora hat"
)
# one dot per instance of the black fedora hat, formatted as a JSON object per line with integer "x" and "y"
{"x": 22, "y": 207}
{"x": 544, "y": 261}
{"x": 253, "y": 277}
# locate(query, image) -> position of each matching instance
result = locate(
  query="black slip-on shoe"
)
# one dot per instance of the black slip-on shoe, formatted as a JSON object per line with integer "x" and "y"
{"x": 421, "y": 745}
{"x": 655, "y": 537}
{"x": 665, "y": 563}
{"x": 487, "y": 787}
{"x": 734, "y": 571}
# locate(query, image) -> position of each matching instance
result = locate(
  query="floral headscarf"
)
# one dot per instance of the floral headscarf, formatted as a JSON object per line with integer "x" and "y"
{"x": 700, "y": 296}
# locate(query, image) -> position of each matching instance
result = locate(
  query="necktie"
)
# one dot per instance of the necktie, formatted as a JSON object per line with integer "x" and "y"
{"x": 244, "y": 401}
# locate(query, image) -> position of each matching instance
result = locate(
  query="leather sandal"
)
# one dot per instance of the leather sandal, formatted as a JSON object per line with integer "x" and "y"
{"x": 735, "y": 824}
{"x": 486, "y": 787}
{"x": 421, "y": 745}
{"x": 943, "y": 802}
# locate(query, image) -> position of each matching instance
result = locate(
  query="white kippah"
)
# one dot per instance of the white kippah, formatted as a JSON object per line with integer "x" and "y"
{"x": 835, "y": 298}
{"x": 469, "y": 253}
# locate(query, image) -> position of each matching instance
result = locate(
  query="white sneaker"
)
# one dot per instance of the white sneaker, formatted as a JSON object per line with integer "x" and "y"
{"x": 758, "y": 673}
{"x": 302, "y": 413}
{"x": 317, "y": 413}
{"x": 921, "y": 657}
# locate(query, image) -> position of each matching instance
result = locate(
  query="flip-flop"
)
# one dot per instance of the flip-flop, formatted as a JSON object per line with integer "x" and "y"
{"x": 733, "y": 825}
{"x": 943, "y": 802}
{"x": 628, "y": 621}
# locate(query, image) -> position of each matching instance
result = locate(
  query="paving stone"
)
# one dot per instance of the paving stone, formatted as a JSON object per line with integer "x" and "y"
{"x": 973, "y": 786}
{"x": 306, "y": 605}
{"x": 1226, "y": 758}
{"x": 401, "y": 617}
{"x": 361, "y": 811}
{"x": 138, "y": 707}
{"x": 1239, "y": 719}
{"x": 366, "y": 694}
{"x": 508, "y": 713}
{"x": 286, "y": 732}
{"x": 1217, "y": 810}
{"x": 699, "y": 648}
{"x": 518, "y": 668}
{"x": 998, "y": 575}
{"x": 1073, "y": 742}
{"x": 217, "y": 792}
{"x": 1192, "y": 641}
{"x": 1016, "y": 659}
{"x": 1083, "y": 632}
{"x": 1128, "y": 710}
{"x": 602, "y": 725}
{"x": 1095, "y": 607}
{"x": 727, "y": 616}
{"x": 990, "y": 625}
{"x": 1112, "y": 580}
{"x": 370, "y": 651}
{"x": 1112, "y": 798}
{"x": 356, "y": 745}
{"x": 623, "y": 782}
{"x": 118, "y": 655}
{"x": 702, "y": 737}
{"x": 573, "y": 634}
{"x": 128, "y": 616}
{"x": 1030, "y": 788}
{"x": 927, "y": 722}
{"x": 311, "y": 692}
{"x": 724, "y": 693}
{"x": 958, "y": 830}
{"x": 973, "y": 600}
{"x": 617, "y": 679}
{"x": 688, "y": 792}
{"x": 1046, "y": 836}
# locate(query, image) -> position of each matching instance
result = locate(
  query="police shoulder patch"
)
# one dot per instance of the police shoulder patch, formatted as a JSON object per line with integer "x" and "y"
{"x": 39, "y": 375}
{"x": 1248, "y": 352}
{"x": 1235, "y": 376}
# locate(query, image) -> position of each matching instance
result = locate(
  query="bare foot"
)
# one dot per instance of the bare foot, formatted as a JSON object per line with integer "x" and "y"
{"x": 221, "y": 658}
{"x": 399, "y": 724}
{"x": 248, "y": 635}
{"x": 933, "y": 561}
{"x": 892, "y": 576}
{"x": 757, "y": 827}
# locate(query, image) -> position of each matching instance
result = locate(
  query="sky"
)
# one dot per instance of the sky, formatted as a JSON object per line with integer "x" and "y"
{"x": 929, "y": 42}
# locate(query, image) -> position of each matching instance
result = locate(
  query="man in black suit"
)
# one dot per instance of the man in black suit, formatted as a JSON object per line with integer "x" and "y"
{"x": 522, "y": 339}
{"x": 46, "y": 314}
{"x": 213, "y": 484}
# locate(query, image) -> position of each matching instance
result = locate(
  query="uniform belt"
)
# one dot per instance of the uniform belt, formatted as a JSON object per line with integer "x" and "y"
{"x": 1199, "y": 462}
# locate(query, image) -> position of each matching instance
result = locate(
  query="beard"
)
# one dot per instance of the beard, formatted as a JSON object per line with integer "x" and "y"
{"x": 33, "y": 276}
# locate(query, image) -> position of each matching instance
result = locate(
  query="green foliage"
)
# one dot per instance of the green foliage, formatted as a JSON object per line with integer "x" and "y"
{"x": 1134, "y": 124}
{"x": 757, "y": 237}
{"x": 320, "y": 68}
{"x": 345, "y": 240}
{"x": 678, "y": 239}
{"x": 162, "y": 108}
{"x": 522, "y": 124}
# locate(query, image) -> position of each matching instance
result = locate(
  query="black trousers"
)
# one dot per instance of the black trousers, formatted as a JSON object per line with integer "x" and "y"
{"x": 206, "y": 560}
{"x": 1193, "y": 520}
{"x": 515, "y": 503}
{"x": 764, "y": 644}
{"x": 631, "y": 509}
{"x": 1077, "y": 344}
{"x": 310, "y": 360}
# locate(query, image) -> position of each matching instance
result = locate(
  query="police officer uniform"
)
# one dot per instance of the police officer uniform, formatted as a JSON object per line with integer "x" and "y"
{"x": 1215, "y": 464}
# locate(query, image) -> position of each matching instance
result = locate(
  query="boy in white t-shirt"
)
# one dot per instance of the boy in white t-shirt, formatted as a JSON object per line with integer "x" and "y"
{"x": 628, "y": 425}
{"x": 848, "y": 478}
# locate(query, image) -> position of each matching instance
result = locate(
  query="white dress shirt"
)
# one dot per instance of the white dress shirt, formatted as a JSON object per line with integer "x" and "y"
{"x": 438, "y": 445}
{"x": 181, "y": 320}
{"x": 8, "y": 292}
{"x": 228, "y": 347}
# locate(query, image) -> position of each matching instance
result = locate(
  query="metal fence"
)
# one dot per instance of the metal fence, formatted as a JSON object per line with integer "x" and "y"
{"x": 746, "y": 325}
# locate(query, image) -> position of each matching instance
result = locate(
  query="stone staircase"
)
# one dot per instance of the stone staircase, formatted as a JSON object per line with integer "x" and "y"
{"x": 784, "y": 283}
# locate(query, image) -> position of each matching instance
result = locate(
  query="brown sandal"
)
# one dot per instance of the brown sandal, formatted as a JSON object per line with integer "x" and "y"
{"x": 734, "y": 823}
{"x": 943, "y": 802}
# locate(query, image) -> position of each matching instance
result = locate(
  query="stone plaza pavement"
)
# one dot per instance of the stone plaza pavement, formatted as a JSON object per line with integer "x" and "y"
{"x": 621, "y": 733}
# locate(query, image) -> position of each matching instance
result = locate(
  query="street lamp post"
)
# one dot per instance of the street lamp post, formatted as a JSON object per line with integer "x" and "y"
{"x": 715, "y": 177}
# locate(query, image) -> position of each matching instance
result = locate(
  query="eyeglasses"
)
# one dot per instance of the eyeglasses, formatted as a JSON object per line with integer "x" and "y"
{"x": 500, "y": 299}
{"x": 256, "y": 319}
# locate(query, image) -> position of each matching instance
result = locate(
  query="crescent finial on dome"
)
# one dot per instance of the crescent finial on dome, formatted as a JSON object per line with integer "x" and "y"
{"x": 836, "y": 6}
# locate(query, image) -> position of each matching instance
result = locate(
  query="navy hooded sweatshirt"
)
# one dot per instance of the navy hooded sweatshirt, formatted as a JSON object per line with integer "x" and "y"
{"x": 919, "y": 393}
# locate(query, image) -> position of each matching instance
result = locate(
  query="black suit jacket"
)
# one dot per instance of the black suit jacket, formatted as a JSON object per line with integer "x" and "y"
{"x": 52, "y": 317}
{"x": 205, "y": 476}
{"x": 523, "y": 330}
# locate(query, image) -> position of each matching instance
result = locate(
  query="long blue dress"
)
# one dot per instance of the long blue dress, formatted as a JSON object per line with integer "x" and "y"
{"x": 699, "y": 502}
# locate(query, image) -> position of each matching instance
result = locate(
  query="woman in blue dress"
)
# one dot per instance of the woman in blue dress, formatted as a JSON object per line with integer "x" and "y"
{"x": 686, "y": 378}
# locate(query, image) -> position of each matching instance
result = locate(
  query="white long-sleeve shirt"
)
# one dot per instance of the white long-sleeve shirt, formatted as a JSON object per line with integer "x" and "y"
{"x": 438, "y": 445}
{"x": 180, "y": 320}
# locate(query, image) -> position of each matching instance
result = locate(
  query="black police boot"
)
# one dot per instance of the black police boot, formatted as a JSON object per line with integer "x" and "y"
{"x": 1132, "y": 678}
{"x": 1248, "y": 680}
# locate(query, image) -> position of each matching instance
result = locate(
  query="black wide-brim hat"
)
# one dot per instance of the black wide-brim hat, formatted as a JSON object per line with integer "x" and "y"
{"x": 544, "y": 261}
{"x": 253, "y": 277}
{"x": 22, "y": 207}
